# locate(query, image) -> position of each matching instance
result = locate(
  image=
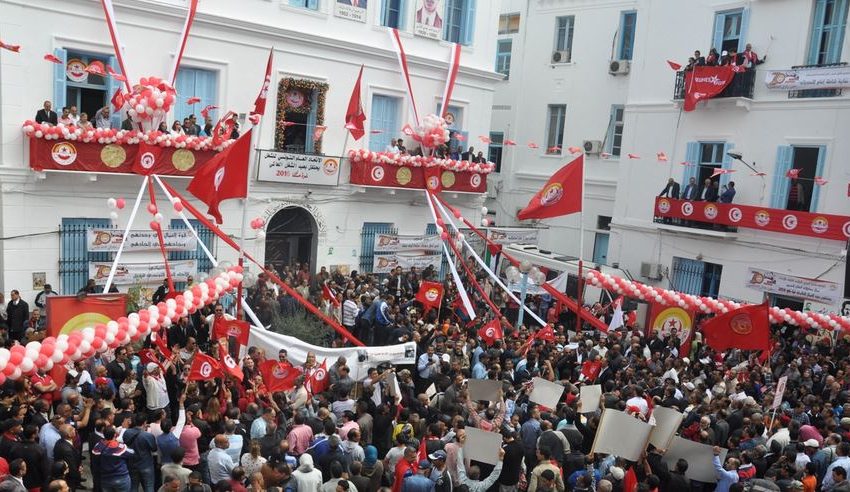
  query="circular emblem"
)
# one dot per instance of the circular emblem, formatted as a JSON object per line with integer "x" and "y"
{"x": 294, "y": 98}
{"x": 64, "y": 153}
{"x": 490, "y": 332}
{"x": 280, "y": 372}
{"x": 475, "y": 180}
{"x": 229, "y": 362}
{"x": 762, "y": 218}
{"x": 183, "y": 160}
{"x": 233, "y": 331}
{"x": 147, "y": 160}
{"x": 113, "y": 155}
{"x": 663, "y": 206}
{"x": 448, "y": 179}
{"x": 206, "y": 369}
{"x": 789, "y": 222}
{"x": 320, "y": 374}
{"x": 741, "y": 324}
{"x": 673, "y": 318}
{"x": 75, "y": 70}
{"x": 552, "y": 194}
{"x": 377, "y": 173}
{"x": 687, "y": 209}
{"x": 820, "y": 225}
{"x": 735, "y": 214}
{"x": 403, "y": 176}
{"x": 846, "y": 229}
{"x": 432, "y": 294}
{"x": 330, "y": 167}
{"x": 432, "y": 182}
{"x": 710, "y": 211}
{"x": 218, "y": 178}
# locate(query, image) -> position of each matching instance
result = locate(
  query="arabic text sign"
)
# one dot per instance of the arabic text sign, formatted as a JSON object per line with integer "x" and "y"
{"x": 282, "y": 167}
{"x": 508, "y": 236}
{"x": 109, "y": 240}
{"x": 394, "y": 242}
{"x": 385, "y": 263}
{"x": 345, "y": 9}
{"x": 141, "y": 273}
{"x": 788, "y": 285}
{"x": 780, "y": 392}
{"x": 808, "y": 78}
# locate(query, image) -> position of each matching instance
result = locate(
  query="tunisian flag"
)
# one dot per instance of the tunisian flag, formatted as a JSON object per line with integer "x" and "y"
{"x": 746, "y": 328}
{"x": 430, "y": 294}
{"x": 226, "y": 328}
{"x": 224, "y": 176}
{"x": 590, "y": 369}
{"x": 560, "y": 196}
{"x": 328, "y": 295}
{"x": 354, "y": 115}
{"x": 146, "y": 158}
{"x": 260, "y": 103}
{"x": 491, "y": 332}
{"x": 228, "y": 365}
{"x": 705, "y": 82}
{"x": 319, "y": 381}
{"x": 278, "y": 376}
{"x": 204, "y": 368}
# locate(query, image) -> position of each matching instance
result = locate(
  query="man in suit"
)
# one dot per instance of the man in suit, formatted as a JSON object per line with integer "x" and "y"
{"x": 161, "y": 291}
{"x": 690, "y": 192}
{"x": 468, "y": 155}
{"x": 671, "y": 190}
{"x": 180, "y": 333}
{"x": 47, "y": 115}
{"x": 428, "y": 14}
{"x": 708, "y": 193}
{"x": 64, "y": 451}
{"x": 31, "y": 451}
{"x": 14, "y": 481}
{"x": 118, "y": 368}
{"x": 17, "y": 314}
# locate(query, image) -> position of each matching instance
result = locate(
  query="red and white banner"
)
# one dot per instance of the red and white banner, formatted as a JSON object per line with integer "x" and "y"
{"x": 454, "y": 66}
{"x": 377, "y": 174}
{"x": 823, "y": 226}
{"x": 405, "y": 72}
{"x": 117, "y": 46}
{"x": 184, "y": 37}
{"x": 705, "y": 82}
{"x": 64, "y": 155}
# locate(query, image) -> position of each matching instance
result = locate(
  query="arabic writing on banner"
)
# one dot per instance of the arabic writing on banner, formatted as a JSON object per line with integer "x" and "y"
{"x": 514, "y": 235}
{"x": 394, "y": 243}
{"x": 142, "y": 273}
{"x": 386, "y": 262}
{"x": 788, "y": 285}
{"x": 808, "y": 78}
{"x": 282, "y": 167}
{"x": 109, "y": 240}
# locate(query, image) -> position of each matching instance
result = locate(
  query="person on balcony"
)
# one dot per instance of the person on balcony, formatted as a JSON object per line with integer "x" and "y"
{"x": 751, "y": 58}
{"x": 728, "y": 193}
{"x": 47, "y": 115}
{"x": 671, "y": 190}
{"x": 796, "y": 196}
{"x": 699, "y": 60}
{"x": 101, "y": 118}
{"x": 732, "y": 58}
{"x": 691, "y": 190}
{"x": 708, "y": 193}
{"x": 713, "y": 59}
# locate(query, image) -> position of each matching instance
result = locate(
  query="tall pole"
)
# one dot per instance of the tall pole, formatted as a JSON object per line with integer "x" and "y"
{"x": 580, "y": 293}
{"x": 523, "y": 290}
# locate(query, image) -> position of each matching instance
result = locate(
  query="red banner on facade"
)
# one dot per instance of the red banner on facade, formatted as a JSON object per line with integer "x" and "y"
{"x": 823, "y": 226}
{"x": 63, "y": 155}
{"x": 705, "y": 82}
{"x": 375, "y": 174}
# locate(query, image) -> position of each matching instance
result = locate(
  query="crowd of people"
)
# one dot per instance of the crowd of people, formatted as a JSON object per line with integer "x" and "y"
{"x": 143, "y": 424}
{"x": 747, "y": 59}
{"x": 445, "y": 151}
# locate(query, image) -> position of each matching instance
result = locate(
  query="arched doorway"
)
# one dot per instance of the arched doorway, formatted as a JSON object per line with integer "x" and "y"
{"x": 291, "y": 237}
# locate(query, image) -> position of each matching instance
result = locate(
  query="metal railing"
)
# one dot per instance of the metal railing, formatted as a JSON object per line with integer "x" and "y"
{"x": 742, "y": 85}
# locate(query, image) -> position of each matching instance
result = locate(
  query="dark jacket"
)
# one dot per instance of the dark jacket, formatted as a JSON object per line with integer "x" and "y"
{"x": 671, "y": 190}
{"x": 710, "y": 194}
{"x": 63, "y": 450}
{"x": 17, "y": 314}
{"x": 38, "y": 468}
{"x": 42, "y": 116}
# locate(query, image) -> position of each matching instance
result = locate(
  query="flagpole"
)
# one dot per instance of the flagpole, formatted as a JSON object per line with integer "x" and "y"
{"x": 255, "y": 137}
{"x": 580, "y": 293}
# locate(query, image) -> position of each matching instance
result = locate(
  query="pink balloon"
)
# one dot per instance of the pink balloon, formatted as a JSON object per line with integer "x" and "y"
{"x": 97, "y": 343}
{"x": 10, "y": 368}
{"x": 15, "y": 358}
{"x": 41, "y": 361}
{"x": 178, "y": 207}
{"x": 152, "y": 208}
{"x": 154, "y": 225}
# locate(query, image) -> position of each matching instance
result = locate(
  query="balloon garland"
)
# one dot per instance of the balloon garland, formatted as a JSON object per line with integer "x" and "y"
{"x": 22, "y": 360}
{"x": 370, "y": 157}
{"x": 123, "y": 137}
{"x": 710, "y": 305}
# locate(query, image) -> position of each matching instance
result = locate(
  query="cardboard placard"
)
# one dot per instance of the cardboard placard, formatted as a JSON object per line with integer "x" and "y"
{"x": 622, "y": 435}
{"x": 546, "y": 393}
{"x": 482, "y": 446}
{"x": 589, "y": 397}
{"x": 484, "y": 389}
{"x": 667, "y": 422}
{"x": 700, "y": 458}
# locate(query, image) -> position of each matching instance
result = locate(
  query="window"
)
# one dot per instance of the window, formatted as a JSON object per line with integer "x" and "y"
{"x": 702, "y": 158}
{"x": 384, "y": 118}
{"x": 828, "y": 25}
{"x": 301, "y": 104}
{"x": 503, "y": 57}
{"x": 730, "y": 30}
{"x": 194, "y": 82}
{"x": 555, "y": 128}
{"x": 494, "y": 151}
{"x": 460, "y": 21}
{"x": 564, "y": 36}
{"x": 87, "y": 91}
{"x": 802, "y": 193}
{"x": 305, "y": 4}
{"x": 508, "y": 23}
{"x": 392, "y": 13}
{"x": 628, "y": 20}
{"x": 696, "y": 277}
{"x": 614, "y": 140}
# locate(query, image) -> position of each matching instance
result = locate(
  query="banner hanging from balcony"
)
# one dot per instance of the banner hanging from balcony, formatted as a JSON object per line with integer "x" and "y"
{"x": 808, "y": 78}
{"x": 389, "y": 175}
{"x": 395, "y": 243}
{"x": 822, "y": 226}
{"x": 109, "y": 240}
{"x": 705, "y": 82}
{"x": 142, "y": 273}
{"x": 283, "y": 167}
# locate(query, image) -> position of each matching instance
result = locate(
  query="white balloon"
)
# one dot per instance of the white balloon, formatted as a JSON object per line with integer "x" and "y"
{"x": 113, "y": 216}
{"x": 57, "y": 356}
{"x": 16, "y": 374}
{"x": 26, "y": 365}
{"x": 170, "y": 304}
{"x": 111, "y": 203}
{"x": 88, "y": 335}
{"x": 4, "y": 355}
{"x": 484, "y": 211}
{"x": 48, "y": 365}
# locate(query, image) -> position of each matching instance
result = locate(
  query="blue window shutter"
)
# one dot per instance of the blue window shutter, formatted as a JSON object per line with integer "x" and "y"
{"x": 313, "y": 4}
{"x": 296, "y": 3}
{"x": 185, "y": 86}
{"x": 813, "y": 207}
{"x": 745, "y": 25}
{"x": 692, "y": 158}
{"x": 719, "y": 21}
{"x": 727, "y": 164}
{"x": 60, "y": 92}
{"x": 468, "y": 34}
{"x": 817, "y": 31}
{"x": 612, "y": 122}
{"x": 402, "y": 14}
{"x": 431, "y": 229}
{"x": 836, "y": 40}
{"x": 781, "y": 184}
{"x": 385, "y": 10}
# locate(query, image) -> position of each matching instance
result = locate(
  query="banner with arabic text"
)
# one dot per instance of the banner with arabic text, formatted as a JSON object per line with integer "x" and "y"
{"x": 503, "y": 235}
{"x": 142, "y": 273}
{"x": 795, "y": 79}
{"x": 788, "y": 285}
{"x": 386, "y": 262}
{"x": 283, "y": 167}
{"x": 395, "y": 243}
{"x": 109, "y": 240}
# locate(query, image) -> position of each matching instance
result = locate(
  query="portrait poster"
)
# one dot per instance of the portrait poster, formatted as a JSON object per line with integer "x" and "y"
{"x": 351, "y": 9}
{"x": 428, "y": 21}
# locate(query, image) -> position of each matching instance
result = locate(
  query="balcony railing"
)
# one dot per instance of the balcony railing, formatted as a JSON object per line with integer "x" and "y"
{"x": 808, "y": 93}
{"x": 741, "y": 86}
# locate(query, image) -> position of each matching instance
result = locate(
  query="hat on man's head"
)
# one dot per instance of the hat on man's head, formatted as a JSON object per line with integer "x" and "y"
{"x": 617, "y": 472}
{"x": 437, "y": 455}
{"x": 811, "y": 443}
{"x": 151, "y": 366}
{"x": 424, "y": 464}
{"x": 371, "y": 455}
{"x": 845, "y": 421}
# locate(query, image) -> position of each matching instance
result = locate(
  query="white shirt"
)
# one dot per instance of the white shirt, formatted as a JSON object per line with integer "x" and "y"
{"x": 157, "y": 392}
{"x": 392, "y": 149}
{"x": 428, "y": 19}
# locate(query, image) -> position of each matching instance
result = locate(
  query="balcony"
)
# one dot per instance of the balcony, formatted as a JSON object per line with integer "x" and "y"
{"x": 742, "y": 85}
{"x": 813, "y": 93}
{"x": 721, "y": 219}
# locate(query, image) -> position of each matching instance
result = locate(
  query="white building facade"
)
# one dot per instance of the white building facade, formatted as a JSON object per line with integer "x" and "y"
{"x": 319, "y": 44}
{"x": 773, "y": 131}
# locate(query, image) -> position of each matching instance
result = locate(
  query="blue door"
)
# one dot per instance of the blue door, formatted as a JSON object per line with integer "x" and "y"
{"x": 600, "y": 248}
{"x": 384, "y": 119}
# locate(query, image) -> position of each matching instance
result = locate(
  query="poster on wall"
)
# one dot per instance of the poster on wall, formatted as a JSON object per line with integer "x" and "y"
{"x": 500, "y": 235}
{"x": 429, "y": 21}
{"x": 808, "y": 78}
{"x": 75, "y": 70}
{"x": 395, "y": 243}
{"x": 142, "y": 273}
{"x": 283, "y": 167}
{"x": 386, "y": 262}
{"x": 788, "y": 285}
{"x": 351, "y": 9}
{"x": 109, "y": 240}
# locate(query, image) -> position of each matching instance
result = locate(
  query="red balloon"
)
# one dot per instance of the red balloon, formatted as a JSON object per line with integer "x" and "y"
{"x": 15, "y": 359}
{"x": 41, "y": 361}
{"x": 97, "y": 343}
{"x": 18, "y": 349}
{"x": 10, "y": 368}
{"x": 152, "y": 208}
{"x": 144, "y": 315}
{"x": 120, "y": 203}
{"x": 154, "y": 225}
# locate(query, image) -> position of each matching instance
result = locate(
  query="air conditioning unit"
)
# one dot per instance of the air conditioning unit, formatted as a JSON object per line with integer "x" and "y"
{"x": 592, "y": 146}
{"x": 651, "y": 271}
{"x": 619, "y": 67}
{"x": 561, "y": 56}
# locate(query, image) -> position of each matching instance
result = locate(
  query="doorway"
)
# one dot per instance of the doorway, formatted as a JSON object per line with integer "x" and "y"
{"x": 291, "y": 237}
